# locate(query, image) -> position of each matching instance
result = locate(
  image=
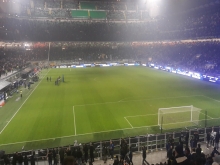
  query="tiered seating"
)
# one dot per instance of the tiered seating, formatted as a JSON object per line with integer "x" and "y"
{"x": 70, "y": 5}
{"x": 53, "y": 4}
{"x": 39, "y": 4}
{"x": 132, "y": 15}
{"x": 131, "y": 6}
{"x": 41, "y": 13}
{"x": 115, "y": 15}
{"x": 60, "y": 13}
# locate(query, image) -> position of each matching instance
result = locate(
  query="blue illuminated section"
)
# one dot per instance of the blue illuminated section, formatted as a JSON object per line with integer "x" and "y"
{"x": 196, "y": 75}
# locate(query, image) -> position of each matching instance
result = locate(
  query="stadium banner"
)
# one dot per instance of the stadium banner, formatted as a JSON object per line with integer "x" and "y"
{"x": 80, "y": 14}
{"x": 131, "y": 64}
{"x": 63, "y": 66}
{"x": 97, "y": 14}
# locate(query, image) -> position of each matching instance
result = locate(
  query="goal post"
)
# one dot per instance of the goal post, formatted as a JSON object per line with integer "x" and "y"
{"x": 179, "y": 116}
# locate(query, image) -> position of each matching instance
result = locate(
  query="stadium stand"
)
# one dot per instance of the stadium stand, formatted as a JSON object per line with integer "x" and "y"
{"x": 117, "y": 40}
{"x": 201, "y": 56}
{"x": 179, "y": 142}
{"x": 53, "y": 4}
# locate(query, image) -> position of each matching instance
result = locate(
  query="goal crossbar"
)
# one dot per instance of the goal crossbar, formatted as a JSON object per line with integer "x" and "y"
{"x": 178, "y": 114}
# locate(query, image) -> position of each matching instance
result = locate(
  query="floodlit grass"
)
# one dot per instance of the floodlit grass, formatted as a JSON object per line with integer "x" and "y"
{"x": 100, "y": 103}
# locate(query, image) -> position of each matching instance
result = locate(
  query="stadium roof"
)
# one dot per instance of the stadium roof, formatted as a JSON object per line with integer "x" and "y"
{"x": 4, "y": 84}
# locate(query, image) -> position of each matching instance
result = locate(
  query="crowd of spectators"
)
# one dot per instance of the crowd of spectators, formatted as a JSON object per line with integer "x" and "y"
{"x": 183, "y": 152}
{"x": 197, "y": 56}
{"x": 107, "y": 5}
{"x": 10, "y": 61}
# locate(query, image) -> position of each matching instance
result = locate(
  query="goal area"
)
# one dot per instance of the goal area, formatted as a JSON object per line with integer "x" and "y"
{"x": 178, "y": 117}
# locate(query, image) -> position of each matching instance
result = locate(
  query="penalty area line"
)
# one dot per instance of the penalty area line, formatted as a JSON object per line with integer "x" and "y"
{"x": 128, "y": 122}
{"x": 207, "y": 115}
{"x": 121, "y": 101}
{"x": 22, "y": 105}
{"x": 210, "y": 98}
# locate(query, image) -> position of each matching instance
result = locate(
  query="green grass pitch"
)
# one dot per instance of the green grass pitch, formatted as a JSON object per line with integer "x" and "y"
{"x": 98, "y": 104}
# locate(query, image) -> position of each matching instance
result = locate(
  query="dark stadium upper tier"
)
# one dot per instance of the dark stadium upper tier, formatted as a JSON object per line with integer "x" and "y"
{"x": 60, "y": 24}
{"x": 202, "y": 25}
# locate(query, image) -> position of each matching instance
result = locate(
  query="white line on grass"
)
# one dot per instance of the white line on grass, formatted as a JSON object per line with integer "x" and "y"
{"x": 211, "y": 98}
{"x": 113, "y": 102}
{"x": 99, "y": 131}
{"x": 74, "y": 118}
{"x": 169, "y": 112}
{"x": 207, "y": 115}
{"x": 128, "y": 122}
{"x": 21, "y": 106}
{"x": 143, "y": 115}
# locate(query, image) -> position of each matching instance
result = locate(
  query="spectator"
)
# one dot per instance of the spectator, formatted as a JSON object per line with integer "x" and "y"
{"x": 69, "y": 160}
{"x": 7, "y": 160}
{"x": 50, "y": 157}
{"x": 20, "y": 159}
{"x": 105, "y": 152}
{"x": 25, "y": 160}
{"x": 180, "y": 159}
{"x": 79, "y": 156}
{"x": 198, "y": 150}
{"x": 116, "y": 161}
{"x": 214, "y": 152}
{"x": 130, "y": 155}
{"x": 111, "y": 149}
{"x": 144, "y": 155}
{"x": 32, "y": 160}
{"x": 15, "y": 158}
{"x": 54, "y": 153}
{"x": 217, "y": 140}
{"x": 62, "y": 153}
{"x": 208, "y": 136}
{"x": 86, "y": 150}
{"x": 188, "y": 154}
{"x": 91, "y": 152}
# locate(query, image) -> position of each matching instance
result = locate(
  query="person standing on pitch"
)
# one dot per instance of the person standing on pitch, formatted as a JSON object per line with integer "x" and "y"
{"x": 21, "y": 93}
{"x": 144, "y": 155}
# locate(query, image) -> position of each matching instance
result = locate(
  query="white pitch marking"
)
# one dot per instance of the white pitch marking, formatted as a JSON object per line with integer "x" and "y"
{"x": 21, "y": 106}
{"x": 113, "y": 102}
{"x": 128, "y": 122}
{"x": 142, "y": 115}
{"x": 211, "y": 98}
{"x": 207, "y": 115}
{"x": 74, "y": 118}
{"x": 99, "y": 131}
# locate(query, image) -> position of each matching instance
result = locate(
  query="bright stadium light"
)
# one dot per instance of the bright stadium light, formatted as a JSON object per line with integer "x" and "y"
{"x": 153, "y": 7}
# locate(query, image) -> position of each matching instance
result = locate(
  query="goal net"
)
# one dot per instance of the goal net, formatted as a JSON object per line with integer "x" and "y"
{"x": 177, "y": 117}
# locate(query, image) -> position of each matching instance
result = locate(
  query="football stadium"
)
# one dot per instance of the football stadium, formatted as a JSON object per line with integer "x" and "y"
{"x": 109, "y": 82}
